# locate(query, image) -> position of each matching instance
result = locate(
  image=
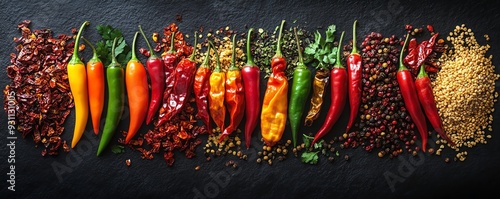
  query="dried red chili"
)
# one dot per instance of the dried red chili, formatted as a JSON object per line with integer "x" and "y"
{"x": 181, "y": 131}
{"x": 39, "y": 86}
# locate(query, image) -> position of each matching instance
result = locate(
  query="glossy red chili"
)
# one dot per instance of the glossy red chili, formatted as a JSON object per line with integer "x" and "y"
{"x": 251, "y": 82}
{"x": 157, "y": 76}
{"x": 338, "y": 96}
{"x": 354, "y": 80}
{"x": 410, "y": 98}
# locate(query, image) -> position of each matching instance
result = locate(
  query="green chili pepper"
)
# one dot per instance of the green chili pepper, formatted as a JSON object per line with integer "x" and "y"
{"x": 115, "y": 77}
{"x": 301, "y": 87}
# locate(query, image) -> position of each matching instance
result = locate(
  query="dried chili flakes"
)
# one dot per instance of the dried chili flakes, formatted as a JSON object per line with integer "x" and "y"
{"x": 179, "y": 133}
{"x": 40, "y": 82}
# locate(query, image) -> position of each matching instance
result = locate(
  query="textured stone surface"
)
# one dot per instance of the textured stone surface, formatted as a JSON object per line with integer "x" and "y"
{"x": 361, "y": 177}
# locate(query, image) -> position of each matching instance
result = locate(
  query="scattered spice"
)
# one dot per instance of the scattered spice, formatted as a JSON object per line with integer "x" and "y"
{"x": 221, "y": 39}
{"x": 264, "y": 44}
{"x": 384, "y": 123}
{"x": 229, "y": 146}
{"x": 128, "y": 162}
{"x": 197, "y": 168}
{"x": 278, "y": 151}
{"x": 180, "y": 133}
{"x": 39, "y": 88}
{"x": 465, "y": 90}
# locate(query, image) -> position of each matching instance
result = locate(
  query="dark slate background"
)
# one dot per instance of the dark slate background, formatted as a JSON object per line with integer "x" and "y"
{"x": 361, "y": 177}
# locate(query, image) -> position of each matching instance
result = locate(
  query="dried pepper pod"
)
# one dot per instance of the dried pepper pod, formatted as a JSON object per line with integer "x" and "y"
{"x": 235, "y": 95}
{"x": 321, "y": 78}
{"x": 201, "y": 89}
{"x": 217, "y": 91}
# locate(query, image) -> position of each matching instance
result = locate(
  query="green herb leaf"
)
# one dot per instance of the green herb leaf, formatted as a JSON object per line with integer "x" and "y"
{"x": 309, "y": 157}
{"x": 319, "y": 145}
{"x": 104, "y": 47}
{"x": 329, "y": 33}
{"x": 307, "y": 140}
{"x": 116, "y": 149}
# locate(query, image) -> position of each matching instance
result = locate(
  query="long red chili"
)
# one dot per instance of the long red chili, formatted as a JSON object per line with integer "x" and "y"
{"x": 157, "y": 75}
{"x": 410, "y": 98}
{"x": 338, "y": 96}
{"x": 169, "y": 63}
{"x": 426, "y": 98}
{"x": 201, "y": 89}
{"x": 251, "y": 82}
{"x": 354, "y": 79}
{"x": 184, "y": 79}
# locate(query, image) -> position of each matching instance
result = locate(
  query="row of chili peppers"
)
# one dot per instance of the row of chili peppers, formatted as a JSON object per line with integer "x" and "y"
{"x": 237, "y": 89}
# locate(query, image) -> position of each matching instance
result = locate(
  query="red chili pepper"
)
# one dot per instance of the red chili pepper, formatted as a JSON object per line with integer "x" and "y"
{"x": 157, "y": 76}
{"x": 184, "y": 79}
{"x": 201, "y": 89}
{"x": 251, "y": 82}
{"x": 169, "y": 62}
{"x": 426, "y": 98}
{"x": 338, "y": 96}
{"x": 410, "y": 98}
{"x": 354, "y": 79}
{"x": 235, "y": 95}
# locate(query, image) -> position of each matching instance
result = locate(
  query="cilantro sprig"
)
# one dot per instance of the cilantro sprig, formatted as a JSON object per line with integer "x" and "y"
{"x": 322, "y": 51}
{"x": 122, "y": 50}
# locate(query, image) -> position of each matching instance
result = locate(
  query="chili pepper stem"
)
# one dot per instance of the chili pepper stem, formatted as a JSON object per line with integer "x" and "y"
{"x": 354, "y": 45}
{"x": 194, "y": 48}
{"x": 172, "y": 44}
{"x": 75, "y": 59}
{"x": 249, "y": 54}
{"x": 401, "y": 64}
{"x": 338, "y": 63}
{"x": 278, "y": 47}
{"x": 151, "y": 51}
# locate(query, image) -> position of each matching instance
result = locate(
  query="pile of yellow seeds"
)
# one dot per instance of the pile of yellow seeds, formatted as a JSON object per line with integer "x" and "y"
{"x": 465, "y": 91}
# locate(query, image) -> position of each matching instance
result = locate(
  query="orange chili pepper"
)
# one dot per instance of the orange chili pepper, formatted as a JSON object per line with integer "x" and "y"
{"x": 136, "y": 81}
{"x": 95, "y": 73}
{"x": 216, "y": 96}
{"x": 275, "y": 105}
{"x": 235, "y": 95}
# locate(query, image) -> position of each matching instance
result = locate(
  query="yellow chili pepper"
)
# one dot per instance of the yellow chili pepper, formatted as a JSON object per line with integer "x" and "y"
{"x": 216, "y": 95}
{"x": 275, "y": 105}
{"x": 77, "y": 76}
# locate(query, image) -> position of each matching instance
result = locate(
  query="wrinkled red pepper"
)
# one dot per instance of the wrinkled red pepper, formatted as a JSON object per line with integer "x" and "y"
{"x": 184, "y": 79}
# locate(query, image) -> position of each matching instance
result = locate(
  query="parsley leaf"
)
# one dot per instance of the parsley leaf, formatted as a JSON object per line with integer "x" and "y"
{"x": 321, "y": 52}
{"x": 309, "y": 157}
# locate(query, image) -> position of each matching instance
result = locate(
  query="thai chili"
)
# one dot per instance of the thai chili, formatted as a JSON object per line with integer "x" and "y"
{"x": 321, "y": 78}
{"x": 235, "y": 95}
{"x": 157, "y": 76}
{"x": 301, "y": 87}
{"x": 169, "y": 62}
{"x": 217, "y": 91}
{"x": 183, "y": 83}
{"x": 136, "y": 81}
{"x": 410, "y": 98}
{"x": 426, "y": 98}
{"x": 116, "y": 100}
{"x": 95, "y": 73}
{"x": 275, "y": 104}
{"x": 77, "y": 77}
{"x": 201, "y": 89}
{"x": 354, "y": 80}
{"x": 251, "y": 82}
{"x": 338, "y": 96}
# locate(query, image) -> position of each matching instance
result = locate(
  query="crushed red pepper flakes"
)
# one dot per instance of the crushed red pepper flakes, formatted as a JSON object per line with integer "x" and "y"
{"x": 40, "y": 82}
{"x": 180, "y": 133}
